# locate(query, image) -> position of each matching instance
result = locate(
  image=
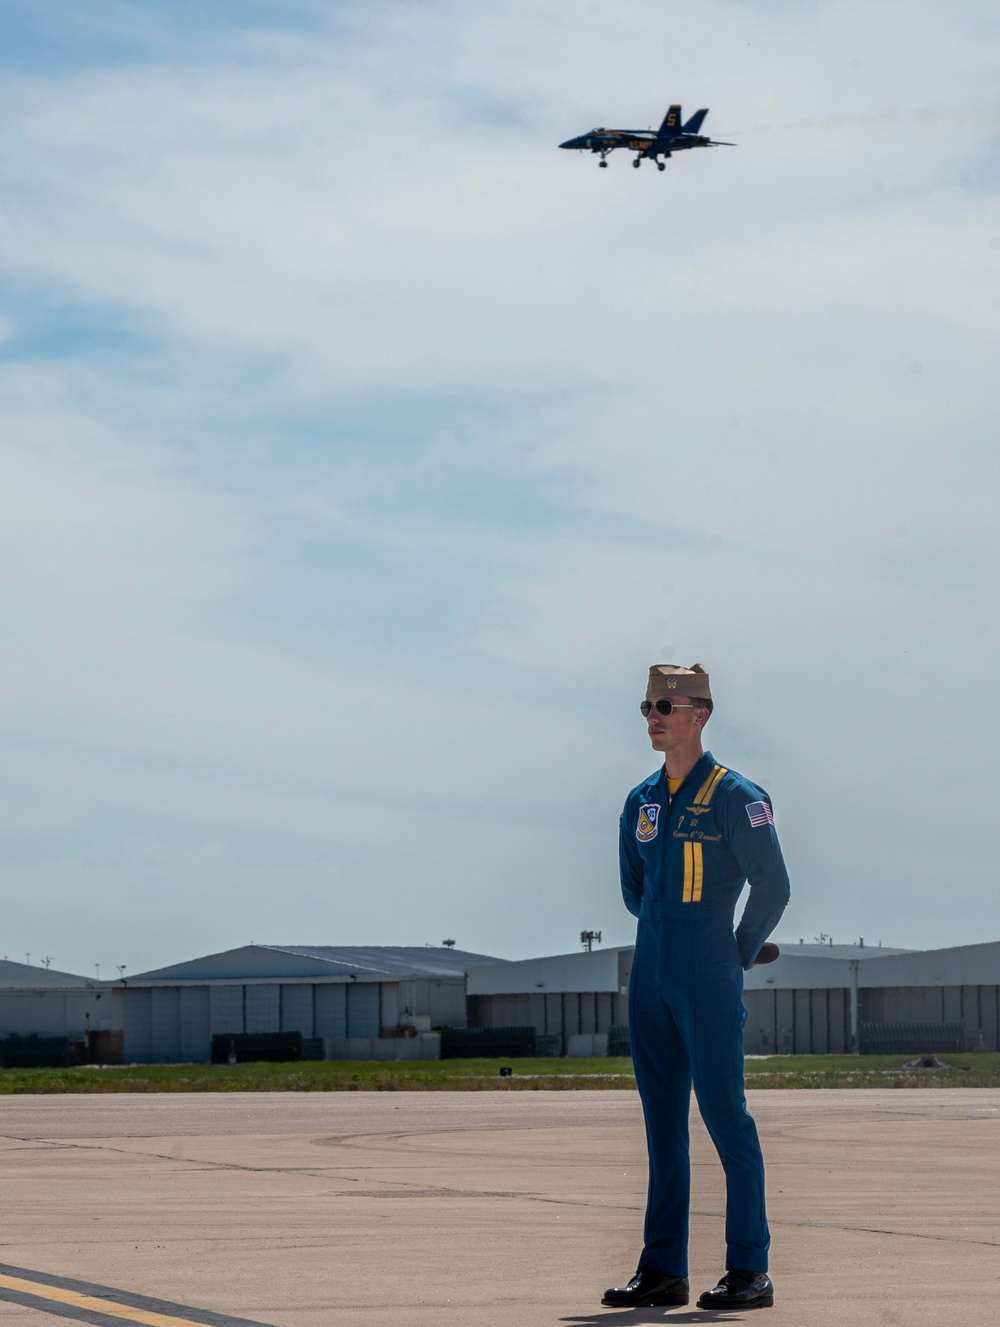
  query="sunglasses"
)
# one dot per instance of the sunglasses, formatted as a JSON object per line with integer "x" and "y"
{"x": 663, "y": 707}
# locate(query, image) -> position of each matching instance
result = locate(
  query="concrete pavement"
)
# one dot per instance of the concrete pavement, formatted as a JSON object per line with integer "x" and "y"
{"x": 457, "y": 1208}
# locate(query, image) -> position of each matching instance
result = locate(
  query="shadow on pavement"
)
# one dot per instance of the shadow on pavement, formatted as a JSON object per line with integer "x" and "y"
{"x": 613, "y": 1317}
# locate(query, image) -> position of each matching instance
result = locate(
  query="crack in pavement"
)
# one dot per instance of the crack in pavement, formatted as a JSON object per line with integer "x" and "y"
{"x": 405, "y": 1189}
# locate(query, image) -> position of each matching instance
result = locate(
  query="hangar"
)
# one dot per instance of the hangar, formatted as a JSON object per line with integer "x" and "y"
{"x": 569, "y": 999}
{"x": 814, "y": 1000}
{"x": 360, "y": 1002}
{"x": 383, "y": 1002}
{"x": 40, "y": 1002}
{"x": 809, "y": 1001}
{"x": 858, "y": 998}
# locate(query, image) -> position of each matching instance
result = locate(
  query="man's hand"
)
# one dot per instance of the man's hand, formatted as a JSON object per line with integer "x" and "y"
{"x": 768, "y": 953}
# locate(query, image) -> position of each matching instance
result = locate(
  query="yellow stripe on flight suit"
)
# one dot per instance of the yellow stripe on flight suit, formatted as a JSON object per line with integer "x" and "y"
{"x": 704, "y": 794}
{"x": 694, "y": 864}
{"x": 694, "y": 870}
{"x": 698, "y": 872}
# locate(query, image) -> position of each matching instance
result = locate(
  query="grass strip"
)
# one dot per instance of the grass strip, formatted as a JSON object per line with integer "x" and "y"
{"x": 778, "y": 1071}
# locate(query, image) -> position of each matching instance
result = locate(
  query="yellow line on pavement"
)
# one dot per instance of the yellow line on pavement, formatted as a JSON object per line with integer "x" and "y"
{"x": 109, "y": 1307}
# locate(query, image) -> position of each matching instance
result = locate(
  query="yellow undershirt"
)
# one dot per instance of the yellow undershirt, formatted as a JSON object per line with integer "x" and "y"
{"x": 674, "y": 786}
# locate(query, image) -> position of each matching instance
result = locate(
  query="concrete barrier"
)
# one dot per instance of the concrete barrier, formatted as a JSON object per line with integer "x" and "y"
{"x": 424, "y": 1046}
{"x": 587, "y": 1044}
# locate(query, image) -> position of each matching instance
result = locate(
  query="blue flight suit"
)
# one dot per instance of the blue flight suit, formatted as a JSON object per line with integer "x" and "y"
{"x": 684, "y": 860}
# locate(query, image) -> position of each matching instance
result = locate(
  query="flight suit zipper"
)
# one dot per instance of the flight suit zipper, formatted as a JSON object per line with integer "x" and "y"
{"x": 665, "y": 838}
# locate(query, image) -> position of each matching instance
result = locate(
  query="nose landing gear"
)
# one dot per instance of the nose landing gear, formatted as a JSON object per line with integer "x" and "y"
{"x": 603, "y": 163}
{"x": 637, "y": 162}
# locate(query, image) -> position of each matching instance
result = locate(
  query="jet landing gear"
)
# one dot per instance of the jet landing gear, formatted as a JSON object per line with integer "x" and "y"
{"x": 637, "y": 162}
{"x": 661, "y": 165}
{"x": 602, "y": 163}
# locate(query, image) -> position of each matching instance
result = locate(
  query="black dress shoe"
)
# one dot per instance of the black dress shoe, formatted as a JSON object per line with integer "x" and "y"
{"x": 648, "y": 1289}
{"x": 740, "y": 1290}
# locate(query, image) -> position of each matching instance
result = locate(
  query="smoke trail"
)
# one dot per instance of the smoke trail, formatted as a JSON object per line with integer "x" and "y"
{"x": 885, "y": 123}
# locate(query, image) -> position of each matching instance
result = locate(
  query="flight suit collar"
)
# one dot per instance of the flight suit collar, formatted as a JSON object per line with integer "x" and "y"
{"x": 697, "y": 774}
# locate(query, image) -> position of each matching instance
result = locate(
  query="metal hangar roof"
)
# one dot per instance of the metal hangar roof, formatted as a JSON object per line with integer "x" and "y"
{"x": 329, "y": 962}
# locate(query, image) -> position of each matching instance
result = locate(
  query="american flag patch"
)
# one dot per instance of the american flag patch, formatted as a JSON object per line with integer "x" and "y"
{"x": 760, "y": 814}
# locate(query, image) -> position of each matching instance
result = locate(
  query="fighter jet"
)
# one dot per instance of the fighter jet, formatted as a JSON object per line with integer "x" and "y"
{"x": 672, "y": 136}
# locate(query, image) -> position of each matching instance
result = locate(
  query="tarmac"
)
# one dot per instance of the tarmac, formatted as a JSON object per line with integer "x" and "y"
{"x": 448, "y": 1208}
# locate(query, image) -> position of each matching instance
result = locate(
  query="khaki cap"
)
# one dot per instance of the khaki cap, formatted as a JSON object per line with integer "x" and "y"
{"x": 667, "y": 680}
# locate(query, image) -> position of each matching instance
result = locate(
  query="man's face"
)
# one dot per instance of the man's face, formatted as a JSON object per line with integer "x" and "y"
{"x": 676, "y": 729}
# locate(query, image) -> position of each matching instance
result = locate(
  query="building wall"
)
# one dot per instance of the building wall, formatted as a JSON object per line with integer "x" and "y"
{"x": 947, "y": 968}
{"x": 295, "y": 1009}
{"x": 194, "y": 1018}
{"x": 59, "y": 1012}
{"x": 977, "y": 1007}
{"x": 579, "y": 972}
{"x": 175, "y": 1024}
{"x": 805, "y": 1022}
{"x": 441, "y": 999}
{"x": 330, "y": 1011}
{"x": 625, "y": 958}
{"x": 566, "y": 1014}
{"x": 165, "y": 1025}
{"x": 388, "y": 1016}
{"x": 137, "y": 1020}
{"x": 225, "y": 1009}
{"x": 363, "y": 1010}
{"x": 262, "y": 1007}
{"x": 446, "y": 1005}
{"x": 818, "y": 1022}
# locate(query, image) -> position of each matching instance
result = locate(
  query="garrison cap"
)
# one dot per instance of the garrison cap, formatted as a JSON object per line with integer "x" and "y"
{"x": 667, "y": 680}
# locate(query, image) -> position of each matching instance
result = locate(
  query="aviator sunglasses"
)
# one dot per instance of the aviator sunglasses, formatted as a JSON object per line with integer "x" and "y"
{"x": 663, "y": 707}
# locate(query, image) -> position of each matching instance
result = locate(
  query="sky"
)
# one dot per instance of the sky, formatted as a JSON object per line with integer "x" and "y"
{"x": 360, "y": 451}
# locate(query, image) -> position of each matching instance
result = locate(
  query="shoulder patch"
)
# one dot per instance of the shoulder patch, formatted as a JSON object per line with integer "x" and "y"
{"x": 760, "y": 814}
{"x": 648, "y": 823}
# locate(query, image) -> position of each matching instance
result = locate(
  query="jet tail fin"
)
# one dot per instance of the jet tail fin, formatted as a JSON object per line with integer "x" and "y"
{"x": 695, "y": 122}
{"x": 671, "y": 123}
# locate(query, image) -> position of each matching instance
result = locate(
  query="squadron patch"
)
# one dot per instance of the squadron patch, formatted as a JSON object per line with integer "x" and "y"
{"x": 649, "y": 816}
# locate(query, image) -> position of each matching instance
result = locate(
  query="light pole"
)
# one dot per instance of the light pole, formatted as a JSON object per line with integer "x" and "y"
{"x": 854, "y": 964}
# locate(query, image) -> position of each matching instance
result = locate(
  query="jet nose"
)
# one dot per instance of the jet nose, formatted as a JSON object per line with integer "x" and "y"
{"x": 572, "y": 142}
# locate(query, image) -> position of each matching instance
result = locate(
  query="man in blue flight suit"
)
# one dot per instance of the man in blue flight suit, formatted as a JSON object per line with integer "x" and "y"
{"x": 691, "y": 835}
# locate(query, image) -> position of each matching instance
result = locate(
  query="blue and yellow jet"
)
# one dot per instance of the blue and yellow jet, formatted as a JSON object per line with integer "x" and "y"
{"x": 672, "y": 136}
